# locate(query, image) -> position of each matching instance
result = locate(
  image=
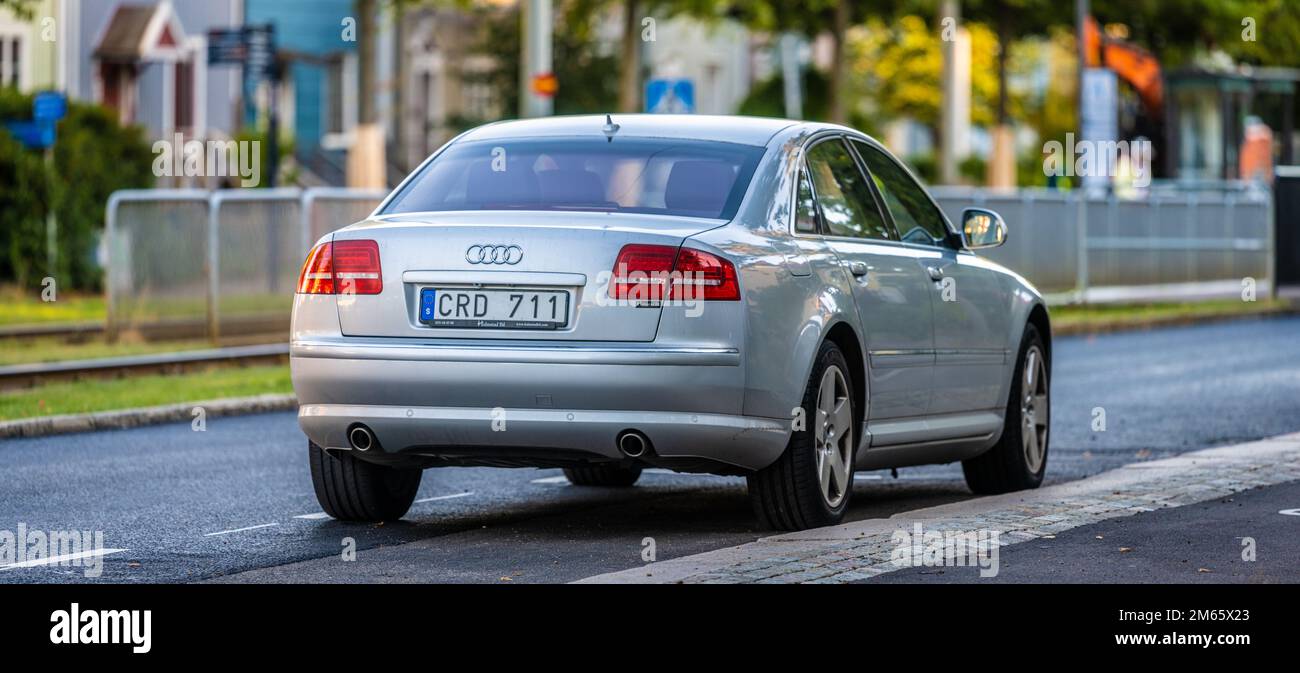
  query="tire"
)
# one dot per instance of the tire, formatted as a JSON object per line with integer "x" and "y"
{"x": 603, "y": 475}
{"x": 789, "y": 494}
{"x": 350, "y": 489}
{"x": 1011, "y": 465}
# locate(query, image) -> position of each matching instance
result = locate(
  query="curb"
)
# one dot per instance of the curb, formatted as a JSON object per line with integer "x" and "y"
{"x": 133, "y": 418}
{"x": 861, "y": 549}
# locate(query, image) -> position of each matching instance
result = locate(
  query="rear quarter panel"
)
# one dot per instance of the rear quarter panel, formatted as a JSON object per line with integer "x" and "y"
{"x": 792, "y": 288}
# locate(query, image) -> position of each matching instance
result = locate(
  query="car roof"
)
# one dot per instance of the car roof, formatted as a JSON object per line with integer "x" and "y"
{"x": 720, "y": 128}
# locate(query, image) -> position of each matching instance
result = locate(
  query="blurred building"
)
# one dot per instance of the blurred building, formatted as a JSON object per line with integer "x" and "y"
{"x": 29, "y": 58}
{"x": 318, "y": 98}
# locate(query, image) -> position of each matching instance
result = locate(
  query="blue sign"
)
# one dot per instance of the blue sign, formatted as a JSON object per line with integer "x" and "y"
{"x": 49, "y": 106}
{"x": 33, "y": 135}
{"x": 670, "y": 96}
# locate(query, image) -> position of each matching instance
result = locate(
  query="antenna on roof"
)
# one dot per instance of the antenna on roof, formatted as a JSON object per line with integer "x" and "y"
{"x": 610, "y": 128}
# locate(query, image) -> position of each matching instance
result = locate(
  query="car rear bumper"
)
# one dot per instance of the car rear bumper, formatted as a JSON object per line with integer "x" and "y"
{"x": 543, "y": 405}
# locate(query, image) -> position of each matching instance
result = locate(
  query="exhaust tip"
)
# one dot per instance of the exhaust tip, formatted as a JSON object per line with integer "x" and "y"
{"x": 360, "y": 438}
{"x": 633, "y": 444}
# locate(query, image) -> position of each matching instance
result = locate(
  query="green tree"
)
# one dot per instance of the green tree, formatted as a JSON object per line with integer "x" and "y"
{"x": 812, "y": 18}
{"x": 93, "y": 157}
{"x": 896, "y": 69}
{"x": 1177, "y": 31}
{"x": 1012, "y": 20}
{"x": 20, "y": 8}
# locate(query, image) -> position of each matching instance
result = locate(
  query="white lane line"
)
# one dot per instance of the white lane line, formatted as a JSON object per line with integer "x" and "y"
{"x": 313, "y": 517}
{"x": 240, "y": 530}
{"x": 444, "y": 497}
{"x": 551, "y": 480}
{"x": 52, "y": 560}
{"x": 660, "y": 470}
{"x": 867, "y": 477}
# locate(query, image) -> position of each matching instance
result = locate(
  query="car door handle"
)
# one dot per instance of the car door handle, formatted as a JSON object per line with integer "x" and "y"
{"x": 859, "y": 268}
{"x": 935, "y": 272}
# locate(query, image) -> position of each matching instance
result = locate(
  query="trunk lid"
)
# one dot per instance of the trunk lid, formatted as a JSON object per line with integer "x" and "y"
{"x": 475, "y": 252}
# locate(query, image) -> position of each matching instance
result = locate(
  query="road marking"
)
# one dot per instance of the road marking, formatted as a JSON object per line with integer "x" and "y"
{"x": 551, "y": 480}
{"x": 1290, "y": 512}
{"x": 240, "y": 530}
{"x": 52, "y": 560}
{"x": 443, "y": 497}
{"x": 867, "y": 477}
{"x": 313, "y": 517}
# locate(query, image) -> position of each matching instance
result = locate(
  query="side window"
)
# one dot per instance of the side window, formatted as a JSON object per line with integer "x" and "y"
{"x": 847, "y": 205}
{"x": 805, "y": 208}
{"x": 917, "y": 219}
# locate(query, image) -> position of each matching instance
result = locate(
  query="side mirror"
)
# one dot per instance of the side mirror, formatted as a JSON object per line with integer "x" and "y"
{"x": 982, "y": 228}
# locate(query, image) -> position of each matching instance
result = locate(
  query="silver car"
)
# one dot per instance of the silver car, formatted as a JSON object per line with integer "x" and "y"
{"x": 740, "y": 296}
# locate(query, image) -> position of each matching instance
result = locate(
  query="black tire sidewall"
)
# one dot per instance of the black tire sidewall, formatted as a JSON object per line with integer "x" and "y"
{"x": 1030, "y": 339}
{"x": 803, "y": 445}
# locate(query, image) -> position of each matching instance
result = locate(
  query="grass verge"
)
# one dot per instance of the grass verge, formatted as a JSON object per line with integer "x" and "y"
{"x": 1104, "y": 317}
{"x": 80, "y": 397}
{"x": 20, "y": 306}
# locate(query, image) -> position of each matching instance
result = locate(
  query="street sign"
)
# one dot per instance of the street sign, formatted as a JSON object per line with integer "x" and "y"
{"x": 1100, "y": 122}
{"x": 226, "y": 47}
{"x": 546, "y": 84}
{"x": 670, "y": 96}
{"x": 260, "y": 62}
{"x": 49, "y": 106}
{"x": 250, "y": 46}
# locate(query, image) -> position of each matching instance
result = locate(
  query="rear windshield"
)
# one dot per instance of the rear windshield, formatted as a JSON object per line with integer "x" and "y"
{"x": 687, "y": 178}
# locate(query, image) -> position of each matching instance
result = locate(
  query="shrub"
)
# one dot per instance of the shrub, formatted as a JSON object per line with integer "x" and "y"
{"x": 93, "y": 157}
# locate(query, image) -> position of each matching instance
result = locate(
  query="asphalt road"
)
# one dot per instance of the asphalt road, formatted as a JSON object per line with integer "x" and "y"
{"x": 189, "y": 506}
{"x": 1246, "y": 538}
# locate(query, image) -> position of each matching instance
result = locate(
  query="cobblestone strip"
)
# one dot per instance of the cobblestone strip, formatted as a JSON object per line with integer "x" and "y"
{"x": 868, "y": 556}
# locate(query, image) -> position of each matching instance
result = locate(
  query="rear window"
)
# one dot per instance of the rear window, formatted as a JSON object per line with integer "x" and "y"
{"x": 688, "y": 178}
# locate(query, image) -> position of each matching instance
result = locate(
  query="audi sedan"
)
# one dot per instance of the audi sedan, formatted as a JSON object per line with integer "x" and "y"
{"x": 739, "y": 296}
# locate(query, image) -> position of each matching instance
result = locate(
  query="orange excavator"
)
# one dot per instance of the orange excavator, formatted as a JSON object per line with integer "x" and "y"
{"x": 1131, "y": 63}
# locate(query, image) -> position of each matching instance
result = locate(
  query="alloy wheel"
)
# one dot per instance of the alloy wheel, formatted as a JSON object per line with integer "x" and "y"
{"x": 834, "y": 436}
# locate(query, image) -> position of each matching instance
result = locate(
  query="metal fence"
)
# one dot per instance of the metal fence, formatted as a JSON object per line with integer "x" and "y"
{"x": 199, "y": 264}
{"x": 186, "y": 263}
{"x": 1169, "y": 245}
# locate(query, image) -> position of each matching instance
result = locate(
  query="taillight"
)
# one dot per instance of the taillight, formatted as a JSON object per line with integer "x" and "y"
{"x": 658, "y": 272}
{"x": 641, "y": 272}
{"x": 317, "y": 276}
{"x": 703, "y": 275}
{"x": 342, "y": 267}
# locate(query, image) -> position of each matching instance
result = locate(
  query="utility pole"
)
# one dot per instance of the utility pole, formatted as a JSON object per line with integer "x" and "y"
{"x": 536, "y": 81}
{"x": 791, "y": 77}
{"x": 1081, "y": 13}
{"x": 954, "y": 124}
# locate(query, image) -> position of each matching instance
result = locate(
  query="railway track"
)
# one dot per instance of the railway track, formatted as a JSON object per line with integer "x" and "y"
{"x": 13, "y": 377}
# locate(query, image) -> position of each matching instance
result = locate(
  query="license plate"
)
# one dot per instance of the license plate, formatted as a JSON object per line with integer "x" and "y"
{"x": 494, "y": 309}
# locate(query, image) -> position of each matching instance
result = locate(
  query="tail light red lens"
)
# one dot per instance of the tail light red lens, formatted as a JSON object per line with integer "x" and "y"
{"x": 703, "y": 275}
{"x": 641, "y": 272}
{"x": 342, "y": 267}
{"x": 657, "y": 272}
{"x": 317, "y": 275}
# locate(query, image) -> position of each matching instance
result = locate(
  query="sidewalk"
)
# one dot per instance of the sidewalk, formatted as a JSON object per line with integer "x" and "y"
{"x": 861, "y": 550}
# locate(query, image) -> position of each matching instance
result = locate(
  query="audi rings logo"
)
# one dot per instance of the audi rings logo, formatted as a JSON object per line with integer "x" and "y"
{"x": 494, "y": 254}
